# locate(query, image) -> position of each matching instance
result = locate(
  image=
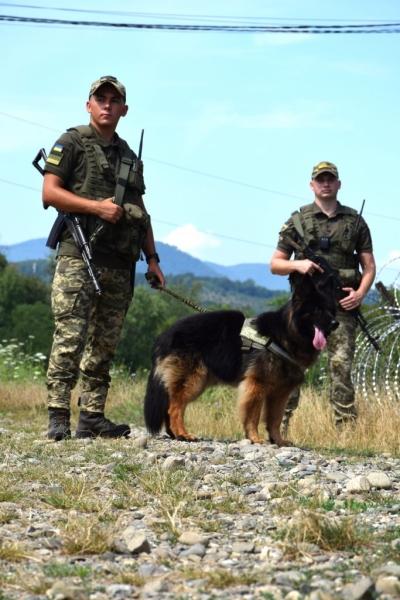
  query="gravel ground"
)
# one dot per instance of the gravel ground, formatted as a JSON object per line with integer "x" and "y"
{"x": 239, "y": 526}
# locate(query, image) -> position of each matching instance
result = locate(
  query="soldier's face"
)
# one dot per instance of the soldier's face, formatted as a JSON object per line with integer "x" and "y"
{"x": 106, "y": 107}
{"x": 325, "y": 186}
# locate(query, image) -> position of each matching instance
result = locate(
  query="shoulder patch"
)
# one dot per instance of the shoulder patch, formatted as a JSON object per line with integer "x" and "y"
{"x": 56, "y": 155}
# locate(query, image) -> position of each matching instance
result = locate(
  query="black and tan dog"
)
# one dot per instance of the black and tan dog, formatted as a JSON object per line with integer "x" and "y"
{"x": 264, "y": 357}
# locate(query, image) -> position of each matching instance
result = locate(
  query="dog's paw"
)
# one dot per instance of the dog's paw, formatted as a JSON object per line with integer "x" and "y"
{"x": 257, "y": 440}
{"x": 283, "y": 442}
{"x": 187, "y": 438}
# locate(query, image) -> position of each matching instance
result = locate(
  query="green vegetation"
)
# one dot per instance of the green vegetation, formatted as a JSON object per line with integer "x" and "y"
{"x": 26, "y": 321}
{"x": 216, "y": 293}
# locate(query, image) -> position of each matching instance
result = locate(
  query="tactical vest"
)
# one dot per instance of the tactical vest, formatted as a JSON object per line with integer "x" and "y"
{"x": 341, "y": 252}
{"x": 128, "y": 236}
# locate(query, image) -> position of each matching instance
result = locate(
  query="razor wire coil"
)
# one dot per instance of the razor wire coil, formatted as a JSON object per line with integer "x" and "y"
{"x": 379, "y": 373}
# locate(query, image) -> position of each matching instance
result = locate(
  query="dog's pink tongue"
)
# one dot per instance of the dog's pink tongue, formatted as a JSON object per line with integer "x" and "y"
{"x": 319, "y": 341}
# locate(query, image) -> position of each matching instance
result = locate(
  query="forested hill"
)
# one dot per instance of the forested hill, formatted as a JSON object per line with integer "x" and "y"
{"x": 173, "y": 262}
{"x": 209, "y": 291}
{"x": 222, "y": 292}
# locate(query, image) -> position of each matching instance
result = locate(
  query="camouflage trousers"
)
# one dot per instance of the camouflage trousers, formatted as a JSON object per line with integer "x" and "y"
{"x": 340, "y": 352}
{"x": 87, "y": 331}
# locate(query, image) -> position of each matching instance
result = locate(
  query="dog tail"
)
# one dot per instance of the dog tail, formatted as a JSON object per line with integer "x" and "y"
{"x": 156, "y": 404}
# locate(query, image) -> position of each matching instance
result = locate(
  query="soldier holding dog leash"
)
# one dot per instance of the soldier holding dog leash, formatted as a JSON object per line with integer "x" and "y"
{"x": 341, "y": 236}
{"x": 95, "y": 181}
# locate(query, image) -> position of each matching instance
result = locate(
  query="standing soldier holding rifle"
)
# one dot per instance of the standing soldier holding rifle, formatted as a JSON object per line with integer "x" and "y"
{"x": 95, "y": 181}
{"x": 328, "y": 234}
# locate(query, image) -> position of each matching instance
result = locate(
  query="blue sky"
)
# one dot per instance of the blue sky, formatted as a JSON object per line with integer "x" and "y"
{"x": 233, "y": 121}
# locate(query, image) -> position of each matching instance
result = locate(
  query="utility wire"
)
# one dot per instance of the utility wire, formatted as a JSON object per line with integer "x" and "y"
{"x": 202, "y": 173}
{"x": 393, "y": 27}
{"x": 181, "y": 16}
{"x": 219, "y": 235}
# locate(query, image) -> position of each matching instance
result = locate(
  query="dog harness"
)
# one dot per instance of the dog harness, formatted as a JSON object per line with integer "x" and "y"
{"x": 251, "y": 340}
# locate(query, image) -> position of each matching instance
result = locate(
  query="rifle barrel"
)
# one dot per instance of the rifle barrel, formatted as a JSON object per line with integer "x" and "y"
{"x": 359, "y": 216}
{"x": 141, "y": 145}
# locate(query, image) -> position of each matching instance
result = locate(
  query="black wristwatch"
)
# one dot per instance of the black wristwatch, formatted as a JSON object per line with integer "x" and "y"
{"x": 150, "y": 256}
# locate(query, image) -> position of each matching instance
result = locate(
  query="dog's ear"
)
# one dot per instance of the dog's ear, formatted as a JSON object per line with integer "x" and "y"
{"x": 303, "y": 289}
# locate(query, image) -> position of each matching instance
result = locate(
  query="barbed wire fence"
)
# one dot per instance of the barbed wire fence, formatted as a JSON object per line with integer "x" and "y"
{"x": 377, "y": 374}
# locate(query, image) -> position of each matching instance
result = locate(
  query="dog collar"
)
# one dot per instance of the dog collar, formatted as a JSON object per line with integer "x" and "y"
{"x": 253, "y": 340}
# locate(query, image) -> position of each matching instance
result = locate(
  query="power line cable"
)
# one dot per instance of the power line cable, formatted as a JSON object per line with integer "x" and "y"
{"x": 162, "y": 162}
{"x": 202, "y": 173}
{"x": 184, "y": 16}
{"x": 226, "y": 179}
{"x": 393, "y": 27}
{"x": 219, "y": 235}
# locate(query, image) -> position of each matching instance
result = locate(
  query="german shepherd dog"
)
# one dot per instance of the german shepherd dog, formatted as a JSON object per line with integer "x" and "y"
{"x": 207, "y": 349}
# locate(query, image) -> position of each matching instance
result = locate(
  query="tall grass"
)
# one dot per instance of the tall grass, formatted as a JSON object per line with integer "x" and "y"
{"x": 23, "y": 399}
{"x": 214, "y": 416}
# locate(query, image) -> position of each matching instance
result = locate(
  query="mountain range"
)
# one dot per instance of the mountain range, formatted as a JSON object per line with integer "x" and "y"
{"x": 173, "y": 262}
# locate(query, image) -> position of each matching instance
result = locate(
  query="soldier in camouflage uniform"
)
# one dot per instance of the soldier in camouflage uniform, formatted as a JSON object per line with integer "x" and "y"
{"x": 80, "y": 178}
{"x": 332, "y": 231}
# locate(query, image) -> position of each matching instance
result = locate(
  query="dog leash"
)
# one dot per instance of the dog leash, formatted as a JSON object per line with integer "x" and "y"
{"x": 154, "y": 282}
{"x": 250, "y": 338}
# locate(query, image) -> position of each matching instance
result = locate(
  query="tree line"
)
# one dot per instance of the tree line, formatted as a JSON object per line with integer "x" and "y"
{"x": 25, "y": 309}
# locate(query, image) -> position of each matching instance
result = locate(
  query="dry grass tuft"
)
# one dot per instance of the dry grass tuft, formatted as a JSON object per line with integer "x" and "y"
{"x": 376, "y": 431}
{"x": 87, "y": 535}
{"x": 13, "y": 552}
{"x": 327, "y": 532}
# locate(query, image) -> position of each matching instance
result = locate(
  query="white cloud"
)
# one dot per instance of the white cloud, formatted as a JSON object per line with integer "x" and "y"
{"x": 189, "y": 239}
{"x": 393, "y": 254}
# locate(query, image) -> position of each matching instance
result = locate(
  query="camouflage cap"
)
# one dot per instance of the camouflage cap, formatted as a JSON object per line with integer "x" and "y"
{"x": 324, "y": 167}
{"x": 112, "y": 81}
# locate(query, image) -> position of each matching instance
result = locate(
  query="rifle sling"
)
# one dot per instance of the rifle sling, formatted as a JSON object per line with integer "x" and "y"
{"x": 122, "y": 179}
{"x": 297, "y": 223}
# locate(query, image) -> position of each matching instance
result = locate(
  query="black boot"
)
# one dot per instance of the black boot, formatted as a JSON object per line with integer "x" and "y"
{"x": 91, "y": 425}
{"x": 285, "y": 423}
{"x": 59, "y": 424}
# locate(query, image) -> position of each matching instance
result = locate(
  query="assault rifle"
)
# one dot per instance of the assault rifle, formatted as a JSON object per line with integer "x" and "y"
{"x": 299, "y": 243}
{"x": 74, "y": 226}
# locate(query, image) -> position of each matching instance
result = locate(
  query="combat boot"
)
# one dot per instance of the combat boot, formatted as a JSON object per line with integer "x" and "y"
{"x": 59, "y": 424}
{"x": 94, "y": 424}
{"x": 343, "y": 422}
{"x": 285, "y": 423}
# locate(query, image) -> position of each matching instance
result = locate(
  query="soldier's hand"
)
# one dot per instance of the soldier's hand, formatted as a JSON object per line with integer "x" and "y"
{"x": 353, "y": 300}
{"x": 307, "y": 267}
{"x": 109, "y": 211}
{"x": 155, "y": 276}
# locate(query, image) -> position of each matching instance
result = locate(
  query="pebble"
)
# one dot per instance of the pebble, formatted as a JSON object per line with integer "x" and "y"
{"x": 226, "y": 546}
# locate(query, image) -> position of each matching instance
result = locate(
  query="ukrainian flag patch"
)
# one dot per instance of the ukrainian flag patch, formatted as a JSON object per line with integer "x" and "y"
{"x": 56, "y": 155}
